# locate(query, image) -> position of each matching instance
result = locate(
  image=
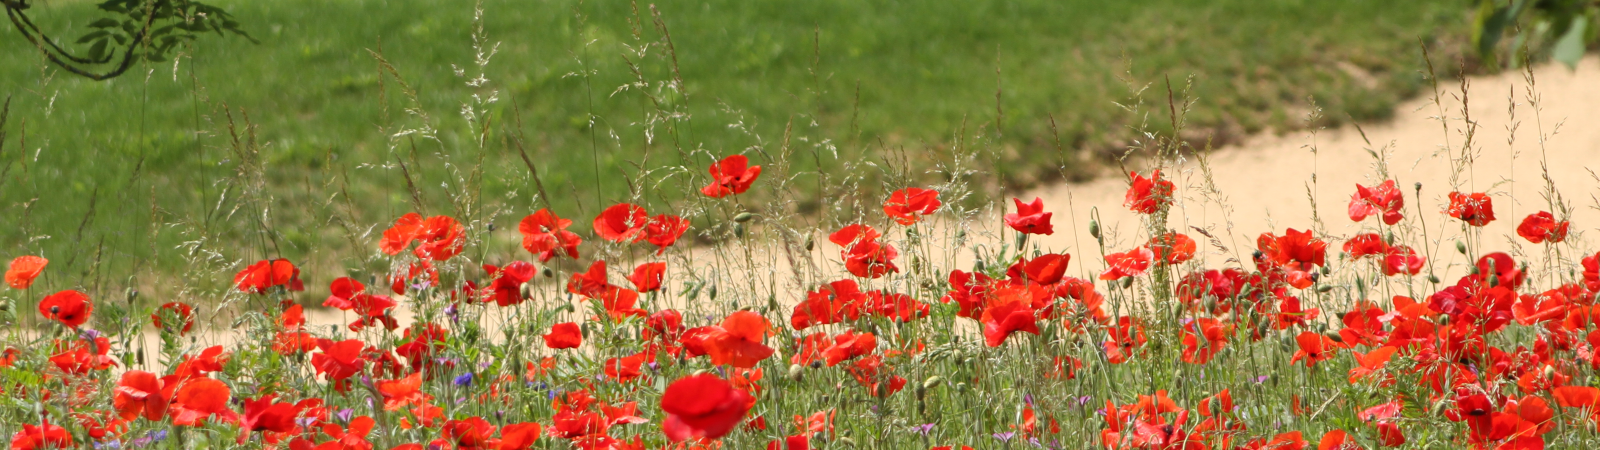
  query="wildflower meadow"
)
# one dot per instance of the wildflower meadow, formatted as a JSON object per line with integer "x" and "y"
{"x": 785, "y": 295}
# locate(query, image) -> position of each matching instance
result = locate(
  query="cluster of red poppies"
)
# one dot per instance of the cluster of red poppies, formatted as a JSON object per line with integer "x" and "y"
{"x": 1486, "y": 352}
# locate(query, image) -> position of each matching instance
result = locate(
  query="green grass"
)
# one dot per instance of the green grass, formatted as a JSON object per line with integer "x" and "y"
{"x": 113, "y": 176}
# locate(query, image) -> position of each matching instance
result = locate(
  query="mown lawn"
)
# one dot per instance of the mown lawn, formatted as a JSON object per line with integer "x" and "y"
{"x": 141, "y": 173}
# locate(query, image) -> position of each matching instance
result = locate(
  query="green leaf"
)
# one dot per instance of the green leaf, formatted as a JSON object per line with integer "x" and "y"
{"x": 93, "y": 36}
{"x": 1491, "y": 26}
{"x": 1569, "y": 49}
{"x": 98, "y": 50}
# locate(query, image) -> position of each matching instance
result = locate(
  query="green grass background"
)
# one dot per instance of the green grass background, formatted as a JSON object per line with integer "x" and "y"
{"x": 140, "y": 174}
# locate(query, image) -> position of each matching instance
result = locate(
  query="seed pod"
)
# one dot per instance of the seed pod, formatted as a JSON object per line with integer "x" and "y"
{"x": 743, "y": 217}
{"x": 1419, "y": 186}
{"x": 491, "y": 227}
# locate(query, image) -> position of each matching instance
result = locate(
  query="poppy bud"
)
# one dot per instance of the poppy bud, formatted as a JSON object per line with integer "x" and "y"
{"x": 712, "y": 292}
{"x": 1325, "y": 270}
{"x": 743, "y": 217}
{"x": 1461, "y": 247}
{"x": 548, "y": 273}
{"x": 932, "y": 382}
{"x": 795, "y": 370}
{"x": 1022, "y": 239}
{"x": 847, "y": 441}
{"x": 1324, "y": 288}
{"x": 961, "y": 387}
{"x": 491, "y": 227}
{"x": 1127, "y": 282}
{"x": 811, "y": 243}
{"x": 1433, "y": 279}
{"x": 1094, "y": 228}
{"x": 738, "y": 230}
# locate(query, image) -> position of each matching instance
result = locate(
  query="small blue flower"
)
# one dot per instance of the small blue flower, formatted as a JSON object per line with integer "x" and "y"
{"x": 464, "y": 380}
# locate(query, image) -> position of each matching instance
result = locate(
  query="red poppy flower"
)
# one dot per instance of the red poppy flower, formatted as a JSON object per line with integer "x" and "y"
{"x": 23, "y": 270}
{"x": 1131, "y": 263}
{"x": 339, "y": 360}
{"x": 1501, "y": 267}
{"x": 1383, "y": 199}
{"x": 544, "y": 234}
{"x": 1030, "y": 218}
{"x": 732, "y": 175}
{"x": 353, "y": 437}
{"x": 1203, "y": 338}
{"x": 622, "y": 222}
{"x": 1401, "y": 259}
{"x": 469, "y": 434}
{"x": 263, "y": 414}
{"x": 1314, "y": 348}
{"x": 199, "y": 399}
{"x": 177, "y": 312}
{"x": 80, "y": 356}
{"x": 825, "y": 305}
{"x": 664, "y": 230}
{"x": 347, "y": 294}
{"x": 647, "y": 277}
{"x": 402, "y": 392}
{"x": 863, "y": 255}
{"x": 1172, "y": 248}
{"x": 1475, "y": 209}
{"x": 1337, "y": 440}
{"x": 796, "y": 442}
{"x": 702, "y": 406}
{"x": 506, "y": 289}
{"x": 1125, "y": 339}
{"x": 1046, "y": 269}
{"x": 625, "y": 369}
{"x": 1148, "y": 195}
{"x": 71, "y": 308}
{"x": 265, "y": 274}
{"x": 739, "y": 340}
{"x": 1363, "y": 245}
{"x": 40, "y": 437}
{"x": 519, "y": 436}
{"x": 137, "y": 394}
{"x": 907, "y": 206}
{"x": 564, "y": 335}
{"x": 1294, "y": 248}
{"x": 442, "y": 237}
{"x": 849, "y": 346}
{"x": 1002, "y": 319}
{"x": 1542, "y": 226}
{"x": 209, "y": 360}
